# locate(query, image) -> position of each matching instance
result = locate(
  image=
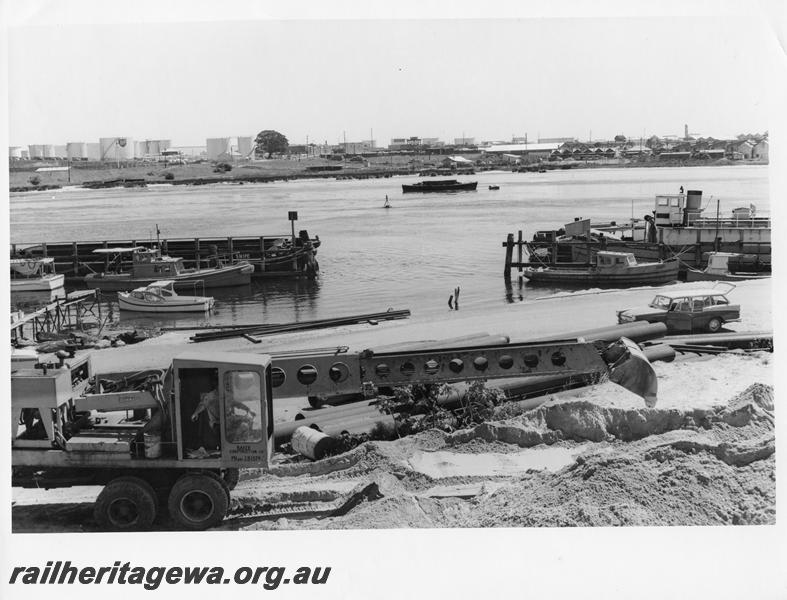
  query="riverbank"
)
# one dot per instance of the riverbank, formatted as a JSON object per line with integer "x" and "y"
{"x": 265, "y": 171}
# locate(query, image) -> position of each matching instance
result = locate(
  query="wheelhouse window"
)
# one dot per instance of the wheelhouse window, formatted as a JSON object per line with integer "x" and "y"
{"x": 242, "y": 407}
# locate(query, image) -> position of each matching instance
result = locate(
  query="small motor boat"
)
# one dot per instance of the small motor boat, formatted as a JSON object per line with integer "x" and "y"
{"x": 160, "y": 297}
{"x": 494, "y": 187}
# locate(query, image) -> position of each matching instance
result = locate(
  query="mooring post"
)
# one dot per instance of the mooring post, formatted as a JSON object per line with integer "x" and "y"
{"x": 509, "y": 254}
{"x": 75, "y": 257}
{"x": 231, "y": 248}
{"x": 262, "y": 254}
{"x": 519, "y": 251}
{"x": 698, "y": 249}
{"x": 196, "y": 253}
{"x": 45, "y": 250}
{"x": 106, "y": 257}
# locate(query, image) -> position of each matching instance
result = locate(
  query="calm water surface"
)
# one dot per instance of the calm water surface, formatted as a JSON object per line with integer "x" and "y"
{"x": 409, "y": 256}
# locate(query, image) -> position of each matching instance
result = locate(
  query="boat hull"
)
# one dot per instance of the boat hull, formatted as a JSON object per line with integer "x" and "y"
{"x": 644, "y": 274}
{"x": 176, "y": 305}
{"x": 693, "y": 275}
{"x": 38, "y": 284}
{"x": 406, "y": 189}
{"x": 212, "y": 278}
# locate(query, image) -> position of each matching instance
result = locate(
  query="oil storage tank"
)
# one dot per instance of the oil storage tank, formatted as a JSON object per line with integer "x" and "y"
{"x": 76, "y": 150}
{"x": 116, "y": 148}
{"x": 219, "y": 148}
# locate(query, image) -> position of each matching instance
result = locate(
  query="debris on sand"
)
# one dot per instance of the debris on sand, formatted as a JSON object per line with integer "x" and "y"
{"x": 572, "y": 463}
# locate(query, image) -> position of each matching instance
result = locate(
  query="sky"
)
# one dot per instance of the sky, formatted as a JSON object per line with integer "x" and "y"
{"x": 330, "y": 80}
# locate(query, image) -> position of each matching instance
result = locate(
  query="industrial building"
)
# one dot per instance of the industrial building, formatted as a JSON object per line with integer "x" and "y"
{"x": 526, "y": 151}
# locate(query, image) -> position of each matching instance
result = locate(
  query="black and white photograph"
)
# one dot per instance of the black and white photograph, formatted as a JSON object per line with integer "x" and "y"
{"x": 384, "y": 301}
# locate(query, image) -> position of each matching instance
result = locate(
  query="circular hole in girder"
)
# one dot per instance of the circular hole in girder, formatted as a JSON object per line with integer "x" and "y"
{"x": 531, "y": 360}
{"x": 558, "y": 358}
{"x": 407, "y": 369}
{"x": 431, "y": 367}
{"x": 382, "y": 370}
{"x": 338, "y": 372}
{"x": 307, "y": 374}
{"x": 456, "y": 365}
{"x": 481, "y": 363}
{"x": 506, "y": 361}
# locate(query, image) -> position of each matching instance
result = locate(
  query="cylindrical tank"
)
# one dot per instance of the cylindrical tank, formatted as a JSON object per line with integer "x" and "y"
{"x": 48, "y": 151}
{"x": 14, "y": 152}
{"x": 219, "y": 148}
{"x": 693, "y": 206}
{"x": 93, "y": 151}
{"x": 311, "y": 443}
{"x": 36, "y": 151}
{"x": 76, "y": 150}
{"x": 116, "y": 148}
{"x": 245, "y": 144}
{"x": 61, "y": 151}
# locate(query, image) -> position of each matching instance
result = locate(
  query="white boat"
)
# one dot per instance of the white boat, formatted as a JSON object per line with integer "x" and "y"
{"x": 35, "y": 275}
{"x": 159, "y": 297}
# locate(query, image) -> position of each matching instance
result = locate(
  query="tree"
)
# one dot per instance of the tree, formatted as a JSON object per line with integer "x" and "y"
{"x": 269, "y": 141}
{"x": 620, "y": 138}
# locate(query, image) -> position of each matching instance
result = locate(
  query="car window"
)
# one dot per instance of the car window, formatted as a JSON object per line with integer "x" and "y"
{"x": 721, "y": 300}
{"x": 660, "y": 302}
{"x": 698, "y": 303}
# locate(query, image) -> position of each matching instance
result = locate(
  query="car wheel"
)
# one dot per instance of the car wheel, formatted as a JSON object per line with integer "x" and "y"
{"x": 714, "y": 324}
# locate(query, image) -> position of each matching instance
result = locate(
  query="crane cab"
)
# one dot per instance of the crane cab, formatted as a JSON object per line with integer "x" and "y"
{"x": 223, "y": 409}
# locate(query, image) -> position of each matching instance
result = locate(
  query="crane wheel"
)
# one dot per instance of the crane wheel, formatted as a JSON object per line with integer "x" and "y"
{"x": 126, "y": 504}
{"x": 231, "y": 477}
{"x": 198, "y": 502}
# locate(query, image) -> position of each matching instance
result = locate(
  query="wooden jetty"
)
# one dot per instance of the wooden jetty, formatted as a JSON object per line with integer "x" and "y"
{"x": 70, "y": 313}
{"x": 272, "y": 255}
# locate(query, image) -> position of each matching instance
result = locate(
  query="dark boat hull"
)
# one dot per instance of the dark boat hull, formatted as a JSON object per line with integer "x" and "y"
{"x": 213, "y": 278}
{"x": 644, "y": 274}
{"x": 417, "y": 187}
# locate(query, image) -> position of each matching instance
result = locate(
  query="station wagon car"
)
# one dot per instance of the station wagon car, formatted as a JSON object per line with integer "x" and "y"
{"x": 687, "y": 310}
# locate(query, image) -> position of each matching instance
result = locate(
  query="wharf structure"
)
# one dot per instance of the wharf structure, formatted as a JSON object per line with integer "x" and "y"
{"x": 678, "y": 230}
{"x": 271, "y": 255}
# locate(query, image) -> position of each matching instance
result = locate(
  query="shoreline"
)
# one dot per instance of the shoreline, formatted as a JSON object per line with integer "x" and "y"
{"x": 282, "y": 170}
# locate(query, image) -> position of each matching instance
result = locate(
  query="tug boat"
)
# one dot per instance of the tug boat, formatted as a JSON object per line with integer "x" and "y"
{"x": 160, "y": 297}
{"x": 611, "y": 268}
{"x": 148, "y": 265}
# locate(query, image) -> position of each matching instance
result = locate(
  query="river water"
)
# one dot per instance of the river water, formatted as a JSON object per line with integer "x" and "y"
{"x": 410, "y": 256}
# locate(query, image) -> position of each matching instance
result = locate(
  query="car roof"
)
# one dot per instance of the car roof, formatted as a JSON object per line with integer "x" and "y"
{"x": 692, "y": 292}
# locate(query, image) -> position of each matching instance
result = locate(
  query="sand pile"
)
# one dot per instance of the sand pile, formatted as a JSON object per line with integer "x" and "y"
{"x": 564, "y": 464}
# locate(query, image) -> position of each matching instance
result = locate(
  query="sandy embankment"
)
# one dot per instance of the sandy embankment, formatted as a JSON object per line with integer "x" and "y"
{"x": 704, "y": 455}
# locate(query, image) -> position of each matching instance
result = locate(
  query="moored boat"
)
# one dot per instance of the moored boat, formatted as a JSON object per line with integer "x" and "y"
{"x": 148, "y": 265}
{"x": 725, "y": 266}
{"x": 35, "y": 275}
{"x": 160, "y": 297}
{"x": 439, "y": 185}
{"x": 611, "y": 268}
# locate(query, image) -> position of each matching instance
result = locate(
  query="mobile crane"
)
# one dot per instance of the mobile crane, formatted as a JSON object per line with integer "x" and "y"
{"x": 176, "y": 441}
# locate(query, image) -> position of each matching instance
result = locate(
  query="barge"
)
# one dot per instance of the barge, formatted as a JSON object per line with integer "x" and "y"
{"x": 439, "y": 185}
{"x": 611, "y": 268}
{"x": 270, "y": 255}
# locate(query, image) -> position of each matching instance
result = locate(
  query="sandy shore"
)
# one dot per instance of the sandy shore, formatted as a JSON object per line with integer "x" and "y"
{"x": 698, "y": 423}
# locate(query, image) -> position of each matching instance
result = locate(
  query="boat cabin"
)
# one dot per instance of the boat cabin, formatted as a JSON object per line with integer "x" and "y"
{"x": 157, "y": 291}
{"x": 145, "y": 262}
{"x": 612, "y": 260}
{"x": 28, "y": 268}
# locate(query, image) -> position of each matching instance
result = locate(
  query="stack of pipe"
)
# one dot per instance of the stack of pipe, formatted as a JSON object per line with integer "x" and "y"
{"x": 261, "y": 329}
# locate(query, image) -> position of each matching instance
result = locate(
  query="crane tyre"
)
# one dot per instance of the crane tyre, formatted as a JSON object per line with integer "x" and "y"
{"x": 231, "y": 477}
{"x": 126, "y": 504}
{"x": 198, "y": 501}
